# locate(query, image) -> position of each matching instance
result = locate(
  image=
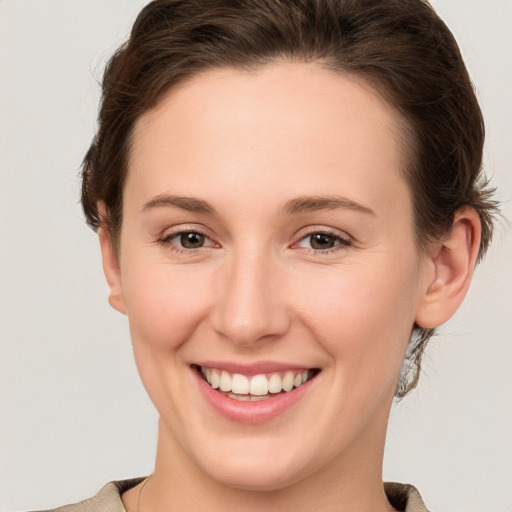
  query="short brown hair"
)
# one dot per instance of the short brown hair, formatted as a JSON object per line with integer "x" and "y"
{"x": 400, "y": 47}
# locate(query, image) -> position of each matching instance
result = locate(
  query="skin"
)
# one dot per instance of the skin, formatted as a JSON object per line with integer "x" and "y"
{"x": 248, "y": 144}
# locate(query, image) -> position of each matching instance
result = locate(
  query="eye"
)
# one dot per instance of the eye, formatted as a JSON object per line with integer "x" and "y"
{"x": 190, "y": 240}
{"x": 186, "y": 240}
{"x": 322, "y": 241}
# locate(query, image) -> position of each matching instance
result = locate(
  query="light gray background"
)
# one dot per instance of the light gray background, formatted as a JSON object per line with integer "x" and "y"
{"x": 73, "y": 414}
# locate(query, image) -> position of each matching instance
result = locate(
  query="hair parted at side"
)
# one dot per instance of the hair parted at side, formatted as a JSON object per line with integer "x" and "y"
{"x": 400, "y": 47}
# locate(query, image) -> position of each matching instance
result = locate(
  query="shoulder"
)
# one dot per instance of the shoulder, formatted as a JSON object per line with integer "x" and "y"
{"x": 108, "y": 499}
{"x": 404, "y": 497}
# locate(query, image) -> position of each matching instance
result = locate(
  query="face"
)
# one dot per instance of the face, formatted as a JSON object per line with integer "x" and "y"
{"x": 267, "y": 246}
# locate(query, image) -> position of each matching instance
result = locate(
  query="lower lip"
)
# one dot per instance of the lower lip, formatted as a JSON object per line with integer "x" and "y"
{"x": 247, "y": 412}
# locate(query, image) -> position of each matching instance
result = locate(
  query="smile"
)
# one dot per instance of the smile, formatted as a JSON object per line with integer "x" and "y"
{"x": 256, "y": 387}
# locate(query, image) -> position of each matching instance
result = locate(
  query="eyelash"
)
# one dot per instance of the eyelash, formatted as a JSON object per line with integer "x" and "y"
{"x": 166, "y": 241}
{"x": 339, "y": 241}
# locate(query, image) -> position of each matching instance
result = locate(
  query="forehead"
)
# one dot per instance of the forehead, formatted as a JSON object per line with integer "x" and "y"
{"x": 279, "y": 129}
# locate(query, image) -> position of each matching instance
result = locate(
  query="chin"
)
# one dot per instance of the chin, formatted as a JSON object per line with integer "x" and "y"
{"x": 256, "y": 465}
{"x": 258, "y": 478}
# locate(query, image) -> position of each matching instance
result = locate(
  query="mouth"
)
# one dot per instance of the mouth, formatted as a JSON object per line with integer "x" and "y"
{"x": 254, "y": 388}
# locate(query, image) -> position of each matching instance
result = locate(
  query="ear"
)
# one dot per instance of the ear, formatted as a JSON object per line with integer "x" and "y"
{"x": 452, "y": 261}
{"x": 111, "y": 266}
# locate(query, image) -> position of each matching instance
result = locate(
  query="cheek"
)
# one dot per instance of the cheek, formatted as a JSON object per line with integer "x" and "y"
{"x": 164, "y": 307}
{"x": 363, "y": 316}
{"x": 164, "y": 310}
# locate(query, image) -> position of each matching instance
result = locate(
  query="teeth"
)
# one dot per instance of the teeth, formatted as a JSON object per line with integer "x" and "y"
{"x": 213, "y": 378}
{"x": 275, "y": 384}
{"x": 259, "y": 385}
{"x": 256, "y": 387}
{"x": 288, "y": 381}
{"x": 225, "y": 382}
{"x": 240, "y": 384}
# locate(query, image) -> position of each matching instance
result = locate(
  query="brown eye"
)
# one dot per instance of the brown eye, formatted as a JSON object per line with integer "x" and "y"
{"x": 192, "y": 240}
{"x": 321, "y": 241}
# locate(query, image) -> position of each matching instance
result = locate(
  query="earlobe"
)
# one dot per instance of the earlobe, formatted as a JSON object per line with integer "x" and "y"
{"x": 111, "y": 266}
{"x": 452, "y": 263}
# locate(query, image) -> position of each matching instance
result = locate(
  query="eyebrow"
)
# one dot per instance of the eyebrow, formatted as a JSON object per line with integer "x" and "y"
{"x": 298, "y": 205}
{"x": 190, "y": 204}
{"x": 311, "y": 203}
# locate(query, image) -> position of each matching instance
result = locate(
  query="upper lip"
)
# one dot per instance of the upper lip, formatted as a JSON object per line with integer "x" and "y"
{"x": 255, "y": 368}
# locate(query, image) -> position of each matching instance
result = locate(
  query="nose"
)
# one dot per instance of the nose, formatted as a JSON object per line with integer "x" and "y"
{"x": 251, "y": 301}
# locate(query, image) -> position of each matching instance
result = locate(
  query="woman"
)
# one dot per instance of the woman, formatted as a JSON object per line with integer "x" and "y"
{"x": 289, "y": 201}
